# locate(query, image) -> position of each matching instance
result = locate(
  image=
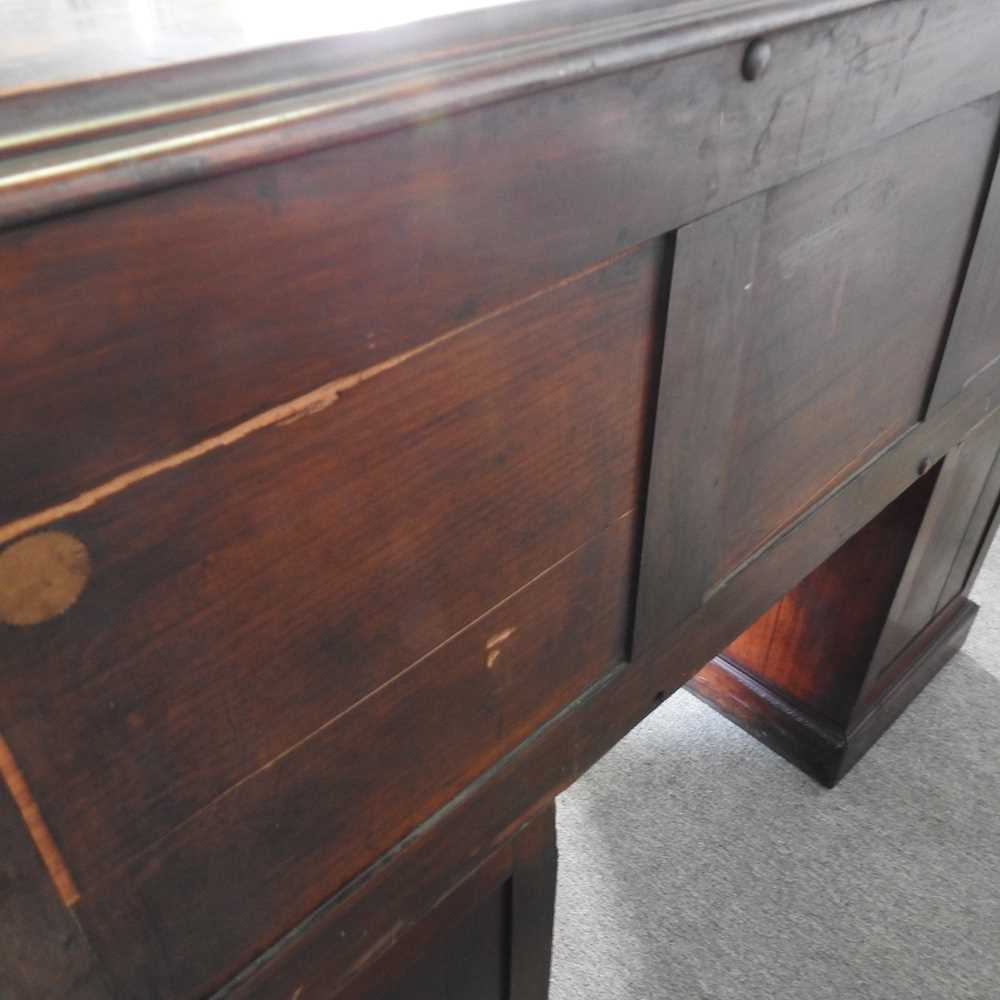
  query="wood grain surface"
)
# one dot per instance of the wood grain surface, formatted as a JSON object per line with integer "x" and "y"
{"x": 44, "y": 952}
{"x": 386, "y": 435}
{"x": 815, "y": 646}
{"x": 294, "y": 648}
{"x": 786, "y": 313}
{"x": 974, "y": 342}
{"x": 275, "y": 280}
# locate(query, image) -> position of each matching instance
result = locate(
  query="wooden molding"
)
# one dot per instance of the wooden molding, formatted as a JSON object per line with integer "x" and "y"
{"x": 105, "y": 139}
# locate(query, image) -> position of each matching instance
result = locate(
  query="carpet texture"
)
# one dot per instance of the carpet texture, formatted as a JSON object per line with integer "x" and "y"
{"x": 695, "y": 864}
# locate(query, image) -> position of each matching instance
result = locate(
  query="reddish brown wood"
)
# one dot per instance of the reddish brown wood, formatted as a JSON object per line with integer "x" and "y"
{"x": 346, "y": 431}
{"x": 560, "y": 751}
{"x": 824, "y": 672}
{"x": 229, "y": 611}
{"x": 253, "y": 279}
{"x": 815, "y": 646}
{"x": 826, "y": 752}
{"x": 540, "y": 767}
{"x": 331, "y": 806}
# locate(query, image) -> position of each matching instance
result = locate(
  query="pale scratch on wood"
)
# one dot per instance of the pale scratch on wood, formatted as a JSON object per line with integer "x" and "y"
{"x": 286, "y": 413}
{"x": 493, "y": 645}
{"x": 30, "y": 813}
{"x": 500, "y": 637}
{"x": 312, "y": 402}
{"x": 383, "y": 944}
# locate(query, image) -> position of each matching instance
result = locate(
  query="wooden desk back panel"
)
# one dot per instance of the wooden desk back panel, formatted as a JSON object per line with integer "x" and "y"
{"x": 804, "y": 332}
{"x": 304, "y": 633}
{"x": 857, "y": 269}
{"x": 266, "y": 593}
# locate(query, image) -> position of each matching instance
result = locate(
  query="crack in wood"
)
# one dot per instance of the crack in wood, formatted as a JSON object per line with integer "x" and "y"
{"x": 38, "y": 830}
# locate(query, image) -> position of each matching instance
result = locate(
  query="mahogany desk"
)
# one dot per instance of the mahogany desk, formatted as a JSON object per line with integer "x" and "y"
{"x": 392, "y": 420}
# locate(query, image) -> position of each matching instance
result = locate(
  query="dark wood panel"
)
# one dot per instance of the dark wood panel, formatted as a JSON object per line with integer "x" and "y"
{"x": 803, "y": 329}
{"x": 443, "y": 952}
{"x": 974, "y": 341}
{"x": 264, "y": 854}
{"x": 465, "y": 957}
{"x": 461, "y": 836}
{"x": 334, "y": 958}
{"x": 936, "y": 643}
{"x": 699, "y": 393}
{"x": 229, "y": 609}
{"x": 849, "y": 303}
{"x": 270, "y": 282}
{"x": 43, "y": 950}
{"x": 533, "y": 908}
{"x": 767, "y": 715}
{"x": 828, "y": 669}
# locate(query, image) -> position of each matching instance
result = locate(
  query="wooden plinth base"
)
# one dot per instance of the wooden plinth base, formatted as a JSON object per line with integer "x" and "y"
{"x": 818, "y": 747}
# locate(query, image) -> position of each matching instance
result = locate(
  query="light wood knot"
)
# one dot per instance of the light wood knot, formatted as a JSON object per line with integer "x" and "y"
{"x": 41, "y": 576}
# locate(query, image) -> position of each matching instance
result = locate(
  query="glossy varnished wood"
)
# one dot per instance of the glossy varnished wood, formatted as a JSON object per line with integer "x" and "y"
{"x": 827, "y": 753}
{"x": 584, "y": 730}
{"x": 816, "y": 644}
{"x": 236, "y": 626}
{"x": 828, "y": 668}
{"x": 330, "y": 375}
{"x": 255, "y": 278}
{"x": 327, "y": 809}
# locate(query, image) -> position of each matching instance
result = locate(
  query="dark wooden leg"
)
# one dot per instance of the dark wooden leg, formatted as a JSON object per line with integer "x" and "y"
{"x": 824, "y": 672}
{"x": 490, "y": 938}
{"x": 533, "y": 900}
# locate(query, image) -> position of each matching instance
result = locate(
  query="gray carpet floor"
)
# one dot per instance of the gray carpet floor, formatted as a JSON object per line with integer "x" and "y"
{"x": 697, "y": 865}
